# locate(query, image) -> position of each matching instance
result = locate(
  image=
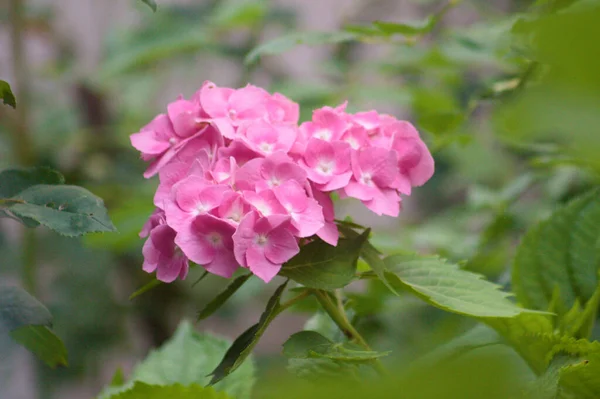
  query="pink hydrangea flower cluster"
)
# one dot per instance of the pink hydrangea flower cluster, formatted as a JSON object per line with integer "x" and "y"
{"x": 241, "y": 183}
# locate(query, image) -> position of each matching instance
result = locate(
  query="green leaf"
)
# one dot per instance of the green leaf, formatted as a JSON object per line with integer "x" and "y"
{"x": 371, "y": 256}
{"x": 13, "y": 181}
{"x": 177, "y": 391}
{"x": 118, "y": 378}
{"x": 151, "y": 4}
{"x": 287, "y": 42}
{"x": 243, "y": 345}
{"x": 581, "y": 377}
{"x": 530, "y": 334}
{"x": 18, "y": 309}
{"x": 322, "y": 266}
{"x": 447, "y": 287}
{"x": 220, "y": 299}
{"x": 147, "y": 287}
{"x": 186, "y": 359}
{"x": 7, "y": 95}
{"x": 311, "y": 344}
{"x": 560, "y": 253}
{"x": 578, "y": 322}
{"x": 236, "y": 14}
{"x": 42, "y": 342}
{"x": 68, "y": 210}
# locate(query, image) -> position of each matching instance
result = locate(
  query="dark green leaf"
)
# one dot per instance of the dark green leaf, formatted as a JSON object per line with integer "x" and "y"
{"x": 311, "y": 344}
{"x": 392, "y": 28}
{"x": 18, "y": 309}
{"x": 7, "y": 95}
{"x": 287, "y": 42}
{"x": 147, "y": 287}
{"x": 371, "y": 255}
{"x": 220, "y": 299}
{"x": 322, "y": 266}
{"x": 42, "y": 342}
{"x": 68, "y": 210}
{"x": 243, "y": 345}
{"x": 144, "y": 391}
{"x": 560, "y": 253}
{"x": 151, "y": 4}
{"x": 447, "y": 287}
{"x": 186, "y": 359}
{"x": 13, "y": 181}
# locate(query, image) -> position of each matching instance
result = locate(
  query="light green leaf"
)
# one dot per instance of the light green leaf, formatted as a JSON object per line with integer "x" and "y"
{"x": 578, "y": 322}
{"x": 243, "y": 345}
{"x": 177, "y": 391}
{"x": 311, "y": 344}
{"x": 186, "y": 359}
{"x": 447, "y": 287}
{"x": 151, "y": 4}
{"x": 531, "y": 335}
{"x": 238, "y": 13}
{"x": 560, "y": 253}
{"x": 18, "y": 309}
{"x": 7, "y": 95}
{"x": 322, "y": 266}
{"x": 287, "y": 42}
{"x": 42, "y": 342}
{"x": 68, "y": 210}
{"x": 147, "y": 287}
{"x": 13, "y": 181}
{"x": 581, "y": 377}
{"x": 220, "y": 299}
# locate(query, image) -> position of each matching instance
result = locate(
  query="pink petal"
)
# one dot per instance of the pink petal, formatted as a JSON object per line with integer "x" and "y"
{"x": 326, "y": 203}
{"x": 215, "y": 100}
{"x": 335, "y": 182}
{"x": 360, "y": 191}
{"x": 387, "y": 203}
{"x": 260, "y": 265}
{"x": 249, "y": 102}
{"x": 331, "y": 119}
{"x": 147, "y": 143}
{"x": 281, "y": 246}
{"x": 168, "y": 272}
{"x": 248, "y": 175}
{"x": 318, "y": 151}
{"x": 329, "y": 233}
{"x": 224, "y": 264}
{"x": 310, "y": 220}
{"x": 265, "y": 202}
{"x": 381, "y": 164}
{"x": 292, "y": 196}
{"x": 183, "y": 115}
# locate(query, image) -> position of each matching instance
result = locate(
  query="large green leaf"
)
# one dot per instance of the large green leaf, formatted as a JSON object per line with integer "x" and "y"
{"x": 322, "y": 266}
{"x": 447, "y": 287}
{"x": 311, "y": 344}
{"x": 68, "y": 210}
{"x": 177, "y": 391}
{"x": 560, "y": 253}
{"x": 187, "y": 359}
{"x": 287, "y": 42}
{"x": 243, "y": 345}
{"x": 7, "y": 95}
{"x": 220, "y": 299}
{"x": 27, "y": 321}
{"x": 41, "y": 341}
{"x": 18, "y": 309}
{"x": 13, "y": 181}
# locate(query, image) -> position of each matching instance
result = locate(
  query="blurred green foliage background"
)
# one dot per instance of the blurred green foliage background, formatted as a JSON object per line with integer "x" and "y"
{"x": 505, "y": 95}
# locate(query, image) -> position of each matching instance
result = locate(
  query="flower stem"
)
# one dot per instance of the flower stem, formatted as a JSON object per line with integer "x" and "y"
{"x": 292, "y": 301}
{"x": 333, "y": 306}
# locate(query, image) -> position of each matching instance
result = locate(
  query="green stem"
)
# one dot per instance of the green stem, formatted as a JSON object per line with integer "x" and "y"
{"x": 292, "y": 302}
{"x": 22, "y": 142}
{"x": 332, "y": 304}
